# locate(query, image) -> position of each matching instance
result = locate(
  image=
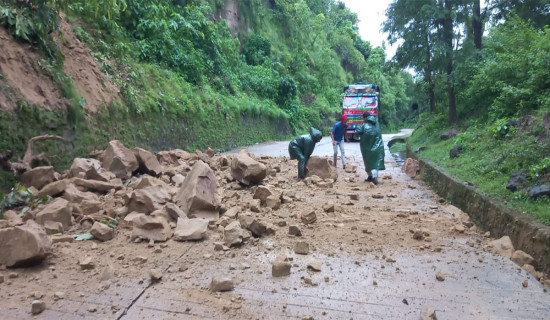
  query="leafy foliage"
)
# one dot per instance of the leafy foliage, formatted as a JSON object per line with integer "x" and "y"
{"x": 18, "y": 197}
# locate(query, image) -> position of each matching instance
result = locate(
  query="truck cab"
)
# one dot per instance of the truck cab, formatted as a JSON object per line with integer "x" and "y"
{"x": 358, "y": 99}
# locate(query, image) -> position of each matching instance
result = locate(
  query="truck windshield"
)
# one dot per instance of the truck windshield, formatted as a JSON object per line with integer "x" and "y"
{"x": 353, "y": 102}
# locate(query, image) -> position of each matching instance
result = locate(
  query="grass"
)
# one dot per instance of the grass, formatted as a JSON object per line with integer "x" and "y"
{"x": 487, "y": 161}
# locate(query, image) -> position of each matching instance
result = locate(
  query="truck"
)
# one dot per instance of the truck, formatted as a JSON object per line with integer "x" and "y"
{"x": 358, "y": 99}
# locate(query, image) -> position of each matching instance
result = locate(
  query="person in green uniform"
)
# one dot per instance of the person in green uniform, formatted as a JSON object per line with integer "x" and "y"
{"x": 372, "y": 146}
{"x": 302, "y": 147}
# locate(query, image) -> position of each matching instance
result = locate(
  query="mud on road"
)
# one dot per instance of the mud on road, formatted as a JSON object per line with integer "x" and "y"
{"x": 389, "y": 251}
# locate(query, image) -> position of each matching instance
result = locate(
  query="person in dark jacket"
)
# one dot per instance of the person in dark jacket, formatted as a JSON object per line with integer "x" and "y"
{"x": 372, "y": 146}
{"x": 302, "y": 147}
{"x": 338, "y": 134}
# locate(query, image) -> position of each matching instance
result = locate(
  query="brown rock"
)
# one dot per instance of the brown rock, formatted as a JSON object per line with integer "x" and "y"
{"x": 53, "y": 227}
{"x": 102, "y": 232}
{"x": 314, "y": 265}
{"x": 234, "y": 235}
{"x": 440, "y": 276}
{"x": 247, "y": 170}
{"x": 273, "y": 202}
{"x": 147, "y": 161}
{"x": 119, "y": 160}
{"x": 197, "y": 195}
{"x": 37, "y": 307}
{"x": 148, "y": 199}
{"x": 502, "y": 246}
{"x": 264, "y": 192}
{"x": 86, "y": 263}
{"x": 190, "y": 229}
{"x": 38, "y": 177}
{"x": 174, "y": 211}
{"x": 74, "y": 195}
{"x": 23, "y": 245}
{"x": 96, "y": 185}
{"x": 13, "y": 218}
{"x": 257, "y": 228}
{"x": 52, "y": 189}
{"x": 295, "y": 231}
{"x": 428, "y": 313}
{"x": 309, "y": 217}
{"x": 58, "y": 210}
{"x": 280, "y": 269}
{"x": 155, "y": 274}
{"x": 82, "y": 165}
{"x": 221, "y": 284}
{"x": 411, "y": 167}
{"x": 301, "y": 247}
{"x": 59, "y": 238}
{"x": 521, "y": 258}
{"x": 322, "y": 168}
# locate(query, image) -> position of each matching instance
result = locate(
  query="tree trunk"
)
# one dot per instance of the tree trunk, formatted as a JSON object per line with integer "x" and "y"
{"x": 429, "y": 79}
{"x": 448, "y": 40}
{"x": 477, "y": 25}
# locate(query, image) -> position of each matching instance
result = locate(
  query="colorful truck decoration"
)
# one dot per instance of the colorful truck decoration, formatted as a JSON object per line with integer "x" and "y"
{"x": 358, "y": 99}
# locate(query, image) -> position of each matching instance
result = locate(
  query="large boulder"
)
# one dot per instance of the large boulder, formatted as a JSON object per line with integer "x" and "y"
{"x": 197, "y": 195}
{"x": 148, "y": 199}
{"x": 96, "y": 185}
{"x": 147, "y": 181}
{"x": 147, "y": 161}
{"x": 58, "y": 210}
{"x": 83, "y": 165}
{"x": 411, "y": 167}
{"x": 247, "y": 170}
{"x": 190, "y": 229}
{"x": 52, "y": 189}
{"x": 322, "y": 168}
{"x": 119, "y": 160}
{"x": 521, "y": 258}
{"x": 539, "y": 191}
{"x": 517, "y": 179}
{"x": 72, "y": 194}
{"x": 151, "y": 228}
{"x": 38, "y": 177}
{"x": 502, "y": 246}
{"x": 24, "y": 245}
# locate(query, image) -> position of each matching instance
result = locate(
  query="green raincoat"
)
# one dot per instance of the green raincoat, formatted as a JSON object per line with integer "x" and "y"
{"x": 372, "y": 146}
{"x": 302, "y": 147}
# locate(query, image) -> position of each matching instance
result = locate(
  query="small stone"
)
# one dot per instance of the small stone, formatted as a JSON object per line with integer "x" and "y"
{"x": 418, "y": 235}
{"x": 309, "y": 217}
{"x": 1, "y": 278}
{"x": 220, "y": 284}
{"x": 301, "y": 247}
{"x": 86, "y": 263}
{"x": 155, "y": 274}
{"x": 13, "y": 275}
{"x": 354, "y": 196}
{"x": 92, "y": 309}
{"x": 38, "y": 306}
{"x": 280, "y": 269}
{"x": 295, "y": 231}
{"x": 459, "y": 228}
{"x": 525, "y": 283}
{"x": 428, "y": 313}
{"x": 59, "y": 295}
{"x": 440, "y": 276}
{"x": 314, "y": 265}
{"x": 218, "y": 246}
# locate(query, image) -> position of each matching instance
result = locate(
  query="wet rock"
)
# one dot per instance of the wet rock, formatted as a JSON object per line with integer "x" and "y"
{"x": 155, "y": 275}
{"x": 322, "y": 168}
{"x": 309, "y": 217}
{"x": 37, "y": 307}
{"x": 38, "y": 177}
{"x": 502, "y": 246}
{"x": 440, "y": 276}
{"x": 521, "y": 258}
{"x": 119, "y": 160}
{"x": 539, "y": 191}
{"x": 147, "y": 162}
{"x": 295, "y": 231}
{"x": 448, "y": 134}
{"x": 280, "y": 268}
{"x": 23, "y": 245}
{"x": 411, "y": 167}
{"x": 517, "y": 179}
{"x": 86, "y": 263}
{"x": 455, "y": 152}
{"x": 52, "y": 189}
{"x": 148, "y": 199}
{"x": 197, "y": 195}
{"x": 301, "y": 247}
{"x": 247, "y": 170}
{"x": 314, "y": 266}
{"x": 190, "y": 229}
{"x": 102, "y": 232}
{"x": 428, "y": 313}
{"x": 221, "y": 284}
{"x": 151, "y": 228}
{"x": 233, "y": 234}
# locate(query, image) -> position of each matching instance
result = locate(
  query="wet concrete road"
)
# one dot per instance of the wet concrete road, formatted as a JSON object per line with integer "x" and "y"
{"x": 357, "y": 280}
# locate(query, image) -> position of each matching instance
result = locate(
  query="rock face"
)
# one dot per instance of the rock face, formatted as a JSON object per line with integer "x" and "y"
{"x": 23, "y": 245}
{"x": 321, "y": 167}
{"x": 58, "y": 210}
{"x": 38, "y": 177}
{"x": 147, "y": 161}
{"x": 102, "y": 232}
{"x": 190, "y": 229}
{"x": 410, "y": 167}
{"x": 151, "y": 228}
{"x": 539, "y": 191}
{"x": 516, "y": 180}
{"x": 119, "y": 160}
{"x": 197, "y": 195}
{"x": 502, "y": 246}
{"x": 247, "y": 170}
